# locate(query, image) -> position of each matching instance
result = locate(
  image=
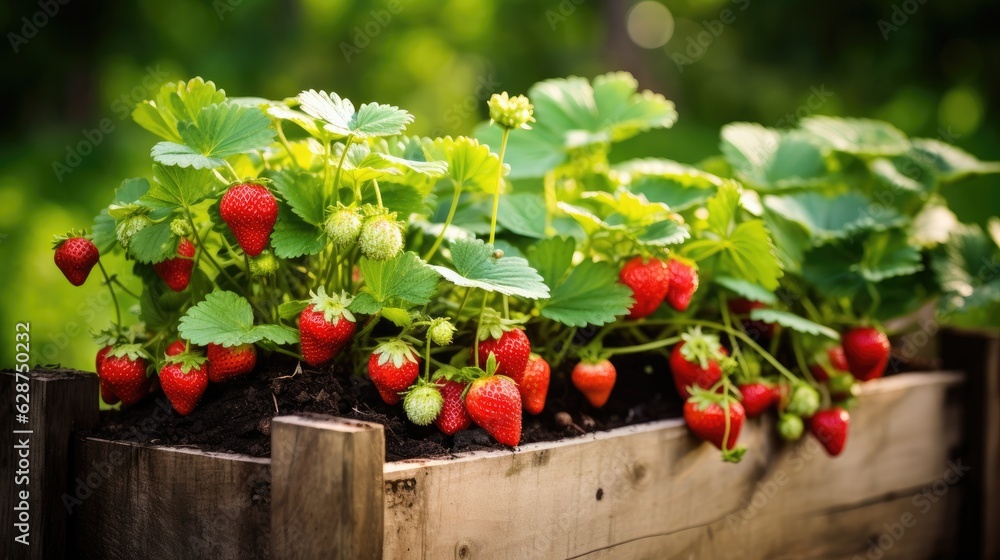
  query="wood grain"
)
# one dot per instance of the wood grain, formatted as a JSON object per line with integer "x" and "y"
{"x": 326, "y": 488}
{"x": 59, "y": 402}
{"x": 654, "y": 491}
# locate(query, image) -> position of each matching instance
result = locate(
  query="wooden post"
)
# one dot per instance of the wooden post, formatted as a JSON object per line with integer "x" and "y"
{"x": 326, "y": 488}
{"x": 977, "y": 353}
{"x": 34, "y": 456}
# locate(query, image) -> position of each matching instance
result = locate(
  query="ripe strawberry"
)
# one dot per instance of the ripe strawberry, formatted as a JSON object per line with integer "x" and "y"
{"x": 534, "y": 384}
{"x": 250, "y": 211}
{"x": 494, "y": 403}
{"x": 757, "y": 398}
{"x": 509, "y": 344}
{"x": 683, "y": 284}
{"x": 423, "y": 403}
{"x": 453, "y": 418}
{"x": 102, "y": 354}
{"x": 705, "y": 414}
{"x": 835, "y": 359}
{"x": 393, "y": 367}
{"x": 176, "y": 347}
{"x": 695, "y": 361}
{"x": 124, "y": 371}
{"x": 595, "y": 379}
{"x": 108, "y": 394}
{"x": 867, "y": 352}
{"x": 176, "y": 272}
{"x": 225, "y": 363}
{"x": 325, "y": 327}
{"x": 649, "y": 281}
{"x": 76, "y": 257}
{"x": 830, "y": 428}
{"x": 184, "y": 379}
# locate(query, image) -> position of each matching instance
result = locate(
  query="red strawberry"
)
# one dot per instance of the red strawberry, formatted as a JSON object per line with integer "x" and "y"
{"x": 76, "y": 257}
{"x": 494, "y": 403}
{"x": 830, "y": 428}
{"x": 867, "y": 352}
{"x": 836, "y": 358}
{"x": 534, "y": 384}
{"x": 781, "y": 392}
{"x": 695, "y": 361}
{"x": 453, "y": 418}
{"x": 705, "y": 414}
{"x": 102, "y": 354}
{"x": 225, "y": 363}
{"x": 250, "y": 211}
{"x": 393, "y": 367}
{"x": 509, "y": 344}
{"x": 649, "y": 281}
{"x": 124, "y": 371}
{"x": 325, "y": 327}
{"x": 176, "y": 347}
{"x": 176, "y": 272}
{"x": 757, "y": 398}
{"x": 108, "y": 394}
{"x": 595, "y": 379}
{"x": 184, "y": 379}
{"x": 683, "y": 284}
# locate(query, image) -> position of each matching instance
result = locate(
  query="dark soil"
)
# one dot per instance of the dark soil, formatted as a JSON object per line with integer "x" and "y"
{"x": 236, "y": 416}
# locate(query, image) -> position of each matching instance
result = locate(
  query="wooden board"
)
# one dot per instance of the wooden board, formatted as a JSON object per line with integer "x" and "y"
{"x": 59, "y": 402}
{"x": 152, "y": 503}
{"x": 654, "y": 491}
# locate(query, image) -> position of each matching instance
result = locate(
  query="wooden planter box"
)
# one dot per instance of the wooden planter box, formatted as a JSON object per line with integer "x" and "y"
{"x": 644, "y": 491}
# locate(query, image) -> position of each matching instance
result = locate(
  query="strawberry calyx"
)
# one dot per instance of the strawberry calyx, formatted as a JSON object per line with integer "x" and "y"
{"x": 702, "y": 399}
{"x": 188, "y": 361}
{"x": 493, "y": 325}
{"x": 59, "y": 240}
{"x": 133, "y": 352}
{"x": 702, "y": 348}
{"x": 396, "y": 351}
{"x": 332, "y": 306}
{"x": 108, "y": 337}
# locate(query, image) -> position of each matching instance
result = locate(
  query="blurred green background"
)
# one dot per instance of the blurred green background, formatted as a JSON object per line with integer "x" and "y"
{"x": 73, "y": 72}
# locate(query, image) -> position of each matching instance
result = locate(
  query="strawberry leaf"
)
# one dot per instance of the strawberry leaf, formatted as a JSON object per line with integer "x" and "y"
{"x": 404, "y": 281}
{"x": 827, "y": 219}
{"x": 305, "y": 195}
{"x": 966, "y": 269}
{"x": 369, "y": 121}
{"x": 523, "y": 214}
{"x": 857, "y": 136}
{"x": 948, "y": 162}
{"x": 793, "y": 321}
{"x": 477, "y": 267}
{"x": 153, "y": 243}
{"x": 103, "y": 232}
{"x": 748, "y": 290}
{"x": 293, "y": 237}
{"x": 552, "y": 258}
{"x": 178, "y": 187}
{"x": 471, "y": 165}
{"x": 226, "y": 318}
{"x": 176, "y": 102}
{"x": 664, "y": 181}
{"x": 771, "y": 160}
{"x": 590, "y": 295}
{"x": 220, "y": 131}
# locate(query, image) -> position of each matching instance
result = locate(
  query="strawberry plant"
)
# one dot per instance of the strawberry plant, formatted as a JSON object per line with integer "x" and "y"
{"x": 461, "y": 274}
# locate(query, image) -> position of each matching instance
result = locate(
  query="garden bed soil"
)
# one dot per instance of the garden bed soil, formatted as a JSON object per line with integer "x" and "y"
{"x": 235, "y": 417}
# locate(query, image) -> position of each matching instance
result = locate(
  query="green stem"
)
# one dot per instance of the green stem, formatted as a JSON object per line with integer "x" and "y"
{"x": 801, "y": 360}
{"x": 746, "y": 340}
{"x": 340, "y": 167}
{"x": 286, "y": 144}
{"x": 737, "y": 355}
{"x": 281, "y": 350}
{"x": 427, "y": 360}
{"x": 447, "y": 222}
{"x": 378, "y": 193}
{"x": 114, "y": 296}
{"x": 115, "y": 279}
{"x": 564, "y": 349}
{"x": 643, "y": 347}
{"x": 496, "y": 194}
{"x": 461, "y": 306}
{"x": 229, "y": 166}
{"x": 482, "y": 311}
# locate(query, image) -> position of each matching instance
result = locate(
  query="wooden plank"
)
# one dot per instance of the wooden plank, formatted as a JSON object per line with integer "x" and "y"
{"x": 326, "y": 488}
{"x": 978, "y": 354}
{"x": 58, "y": 403}
{"x": 603, "y": 493}
{"x": 146, "y": 502}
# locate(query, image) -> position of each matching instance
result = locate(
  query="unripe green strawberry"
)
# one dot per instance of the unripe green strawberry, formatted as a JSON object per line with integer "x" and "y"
{"x": 130, "y": 225}
{"x": 423, "y": 403}
{"x": 181, "y": 227}
{"x": 790, "y": 427}
{"x": 264, "y": 264}
{"x": 381, "y": 237}
{"x": 441, "y": 331}
{"x": 343, "y": 226}
{"x": 804, "y": 402}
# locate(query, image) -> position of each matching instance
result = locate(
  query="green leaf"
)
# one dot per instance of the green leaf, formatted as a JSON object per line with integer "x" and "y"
{"x": 226, "y": 318}
{"x": 131, "y": 190}
{"x": 590, "y": 295}
{"x": 364, "y": 303}
{"x": 404, "y": 281}
{"x": 178, "y": 187}
{"x": 176, "y": 102}
{"x": 968, "y": 270}
{"x": 844, "y": 268}
{"x": 793, "y": 321}
{"x": 677, "y": 185}
{"x": 476, "y": 267}
{"x": 399, "y": 317}
{"x": 103, "y": 232}
{"x": 857, "y": 136}
{"x": 771, "y": 160}
{"x": 153, "y": 243}
{"x": 220, "y": 131}
{"x": 369, "y": 121}
{"x": 663, "y": 233}
{"x": 827, "y": 219}
{"x": 404, "y": 200}
{"x": 573, "y": 115}
{"x": 552, "y": 258}
{"x": 471, "y": 165}
{"x": 523, "y": 214}
{"x": 292, "y": 309}
{"x": 948, "y": 162}
{"x": 293, "y": 237}
{"x": 887, "y": 255}
{"x": 748, "y": 290}
{"x": 305, "y": 195}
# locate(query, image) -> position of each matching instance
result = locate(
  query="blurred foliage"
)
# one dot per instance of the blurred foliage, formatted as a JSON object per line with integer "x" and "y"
{"x": 75, "y": 76}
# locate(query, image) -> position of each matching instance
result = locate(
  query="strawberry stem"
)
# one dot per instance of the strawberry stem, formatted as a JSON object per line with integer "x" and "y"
{"x": 284, "y": 142}
{"x": 236, "y": 176}
{"x": 114, "y": 296}
{"x": 447, "y": 222}
{"x": 801, "y": 361}
{"x": 737, "y": 354}
{"x": 496, "y": 194}
{"x": 378, "y": 193}
{"x": 643, "y": 347}
{"x": 281, "y": 350}
{"x": 427, "y": 359}
{"x": 482, "y": 311}
{"x": 114, "y": 278}
{"x": 340, "y": 167}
